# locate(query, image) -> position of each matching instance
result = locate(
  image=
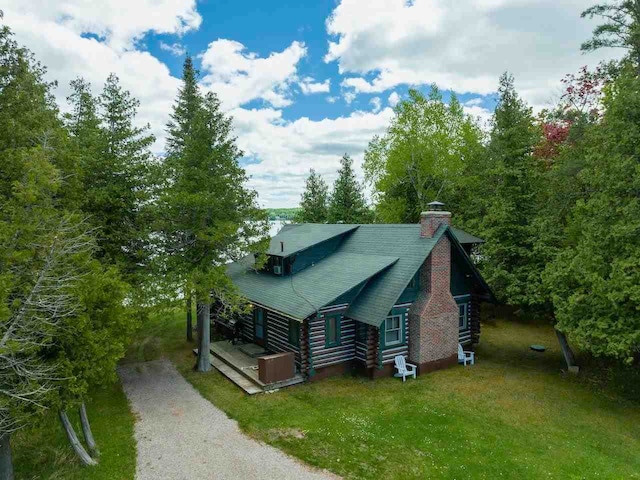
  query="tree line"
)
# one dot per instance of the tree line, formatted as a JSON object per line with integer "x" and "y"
{"x": 556, "y": 195}
{"x": 96, "y": 230}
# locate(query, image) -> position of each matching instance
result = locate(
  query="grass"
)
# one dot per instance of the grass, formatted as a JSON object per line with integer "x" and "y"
{"x": 512, "y": 415}
{"x": 42, "y": 452}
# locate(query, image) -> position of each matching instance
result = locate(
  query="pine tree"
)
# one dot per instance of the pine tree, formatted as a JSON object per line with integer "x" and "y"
{"x": 208, "y": 214}
{"x": 509, "y": 196}
{"x": 347, "y": 203}
{"x": 314, "y": 200}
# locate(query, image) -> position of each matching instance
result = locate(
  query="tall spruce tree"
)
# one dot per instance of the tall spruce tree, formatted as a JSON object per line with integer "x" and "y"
{"x": 187, "y": 104}
{"x": 209, "y": 215}
{"x": 313, "y": 205}
{"x": 509, "y": 196}
{"x": 347, "y": 203}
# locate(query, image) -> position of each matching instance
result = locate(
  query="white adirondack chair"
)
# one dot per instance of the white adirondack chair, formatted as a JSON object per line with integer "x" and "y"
{"x": 404, "y": 369}
{"x": 465, "y": 356}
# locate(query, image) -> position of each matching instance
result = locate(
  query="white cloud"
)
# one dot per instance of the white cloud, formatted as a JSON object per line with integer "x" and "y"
{"x": 288, "y": 149}
{"x": 393, "y": 99}
{"x": 238, "y": 76}
{"x": 332, "y": 99}
{"x": 474, "y": 101}
{"x": 119, "y": 22}
{"x": 349, "y": 96}
{"x": 67, "y": 55}
{"x": 376, "y": 103}
{"x": 463, "y": 46}
{"x": 308, "y": 86}
{"x": 173, "y": 48}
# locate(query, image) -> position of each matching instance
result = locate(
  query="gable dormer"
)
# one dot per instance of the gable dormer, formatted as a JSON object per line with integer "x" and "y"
{"x": 298, "y": 246}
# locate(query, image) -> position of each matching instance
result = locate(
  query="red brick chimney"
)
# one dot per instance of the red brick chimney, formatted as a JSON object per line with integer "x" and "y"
{"x": 433, "y": 218}
{"x": 433, "y": 317}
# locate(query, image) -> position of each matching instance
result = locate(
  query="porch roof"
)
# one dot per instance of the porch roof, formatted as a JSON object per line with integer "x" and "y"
{"x": 301, "y": 295}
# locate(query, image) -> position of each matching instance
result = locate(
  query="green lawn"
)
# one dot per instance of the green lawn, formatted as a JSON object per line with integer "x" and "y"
{"x": 512, "y": 415}
{"x": 43, "y": 452}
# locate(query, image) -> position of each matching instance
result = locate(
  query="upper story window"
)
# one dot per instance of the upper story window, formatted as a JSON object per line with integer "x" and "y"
{"x": 463, "y": 316}
{"x": 393, "y": 331}
{"x": 332, "y": 331}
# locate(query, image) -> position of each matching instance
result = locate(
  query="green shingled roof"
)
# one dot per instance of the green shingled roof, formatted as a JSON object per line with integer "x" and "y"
{"x": 464, "y": 237}
{"x": 297, "y": 237}
{"x": 302, "y": 294}
{"x": 385, "y": 256}
{"x": 375, "y": 301}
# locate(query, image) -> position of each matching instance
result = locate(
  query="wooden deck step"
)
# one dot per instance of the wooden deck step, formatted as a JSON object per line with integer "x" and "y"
{"x": 233, "y": 374}
{"x": 240, "y": 380}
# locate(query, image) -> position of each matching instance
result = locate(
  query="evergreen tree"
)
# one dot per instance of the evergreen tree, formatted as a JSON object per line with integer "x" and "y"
{"x": 313, "y": 206}
{"x": 594, "y": 281}
{"x": 209, "y": 216}
{"x": 187, "y": 104}
{"x": 347, "y": 203}
{"x": 509, "y": 196}
{"x": 116, "y": 171}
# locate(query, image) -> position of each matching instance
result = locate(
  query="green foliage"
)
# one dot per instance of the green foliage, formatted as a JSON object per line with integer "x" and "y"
{"x": 116, "y": 168}
{"x": 508, "y": 196}
{"x": 314, "y": 202}
{"x": 206, "y": 212}
{"x": 94, "y": 339}
{"x": 620, "y": 30}
{"x": 595, "y": 280}
{"x": 347, "y": 203}
{"x": 43, "y": 452}
{"x": 282, "y": 213}
{"x": 422, "y": 156}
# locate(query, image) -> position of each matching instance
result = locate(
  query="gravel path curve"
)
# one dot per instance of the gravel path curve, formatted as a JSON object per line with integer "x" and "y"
{"x": 180, "y": 435}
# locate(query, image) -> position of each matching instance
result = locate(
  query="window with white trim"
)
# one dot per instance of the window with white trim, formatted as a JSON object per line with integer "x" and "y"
{"x": 463, "y": 316}
{"x": 393, "y": 330}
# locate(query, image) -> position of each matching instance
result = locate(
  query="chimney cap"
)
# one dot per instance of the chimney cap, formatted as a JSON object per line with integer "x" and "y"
{"x": 435, "y": 206}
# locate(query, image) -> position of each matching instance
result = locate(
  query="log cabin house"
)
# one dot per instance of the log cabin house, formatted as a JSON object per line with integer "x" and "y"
{"x": 351, "y": 297}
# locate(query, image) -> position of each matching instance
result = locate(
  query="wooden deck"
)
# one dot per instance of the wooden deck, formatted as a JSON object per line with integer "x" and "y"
{"x": 239, "y": 363}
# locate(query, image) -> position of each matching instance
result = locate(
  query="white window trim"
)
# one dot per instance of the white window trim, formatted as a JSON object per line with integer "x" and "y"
{"x": 399, "y": 330}
{"x": 465, "y": 325}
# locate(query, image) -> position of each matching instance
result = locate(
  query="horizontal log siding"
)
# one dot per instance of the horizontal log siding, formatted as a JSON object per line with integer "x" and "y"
{"x": 362, "y": 330}
{"x": 278, "y": 336}
{"x": 323, "y": 356}
{"x": 389, "y": 354}
{"x": 474, "y": 318}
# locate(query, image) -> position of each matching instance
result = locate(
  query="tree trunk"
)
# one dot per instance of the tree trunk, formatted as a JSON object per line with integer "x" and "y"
{"x": 6, "y": 460}
{"x": 189, "y": 319}
{"x": 204, "y": 341}
{"x": 84, "y": 457}
{"x": 566, "y": 351}
{"x": 86, "y": 431}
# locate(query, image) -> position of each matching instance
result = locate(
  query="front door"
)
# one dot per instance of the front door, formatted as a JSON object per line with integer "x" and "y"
{"x": 259, "y": 327}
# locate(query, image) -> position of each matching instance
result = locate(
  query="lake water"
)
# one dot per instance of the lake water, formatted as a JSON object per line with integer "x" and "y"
{"x": 275, "y": 226}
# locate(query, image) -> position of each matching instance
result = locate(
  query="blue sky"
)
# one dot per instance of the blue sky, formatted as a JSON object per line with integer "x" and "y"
{"x": 307, "y": 81}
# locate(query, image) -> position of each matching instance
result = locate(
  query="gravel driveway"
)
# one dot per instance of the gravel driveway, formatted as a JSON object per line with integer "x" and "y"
{"x": 180, "y": 435}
